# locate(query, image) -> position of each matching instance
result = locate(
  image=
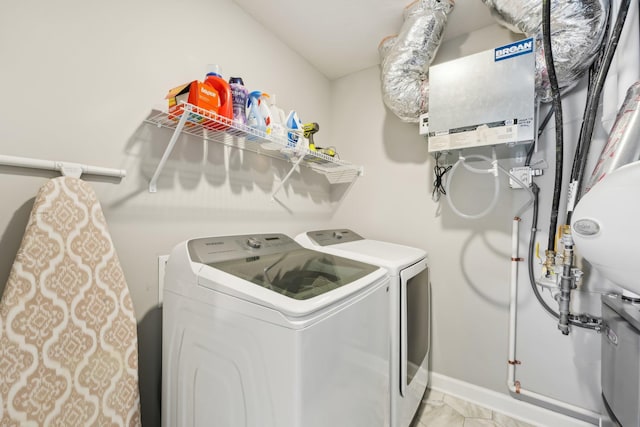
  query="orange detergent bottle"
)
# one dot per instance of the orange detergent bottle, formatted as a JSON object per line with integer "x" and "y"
{"x": 225, "y": 112}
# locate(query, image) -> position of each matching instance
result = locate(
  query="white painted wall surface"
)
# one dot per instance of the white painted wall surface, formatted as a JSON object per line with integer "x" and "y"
{"x": 79, "y": 78}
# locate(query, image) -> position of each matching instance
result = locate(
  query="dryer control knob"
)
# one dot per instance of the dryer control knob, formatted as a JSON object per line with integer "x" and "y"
{"x": 337, "y": 235}
{"x": 254, "y": 243}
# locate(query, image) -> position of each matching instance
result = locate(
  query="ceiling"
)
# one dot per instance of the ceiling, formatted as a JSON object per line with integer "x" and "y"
{"x": 340, "y": 37}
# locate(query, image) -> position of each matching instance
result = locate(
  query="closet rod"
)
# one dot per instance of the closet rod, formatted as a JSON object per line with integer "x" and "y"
{"x": 66, "y": 168}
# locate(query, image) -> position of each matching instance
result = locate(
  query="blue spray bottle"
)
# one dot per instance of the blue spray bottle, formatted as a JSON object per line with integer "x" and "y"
{"x": 254, "y": 116}
{"x": 294, "y": 123}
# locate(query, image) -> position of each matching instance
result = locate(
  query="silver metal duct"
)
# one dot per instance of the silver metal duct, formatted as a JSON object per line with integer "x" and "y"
{"x": 577, "y": 28}
{"x": 622, "y": 146}
{"x": 405, "y": 58}
{"x": 385, "y": 45}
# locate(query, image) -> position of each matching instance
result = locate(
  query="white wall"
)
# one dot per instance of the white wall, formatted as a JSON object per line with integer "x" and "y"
{"x": 79, "y": 78}
{"x": 470, "y": 259}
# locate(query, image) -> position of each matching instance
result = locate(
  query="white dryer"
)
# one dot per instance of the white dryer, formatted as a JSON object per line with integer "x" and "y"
{"x": 260, "y": 332}
{"x": 409, "y": 311}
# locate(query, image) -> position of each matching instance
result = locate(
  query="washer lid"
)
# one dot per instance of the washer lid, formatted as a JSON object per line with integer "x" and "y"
{"x": 274, "y": 271}
{"x": 299, "y": 274}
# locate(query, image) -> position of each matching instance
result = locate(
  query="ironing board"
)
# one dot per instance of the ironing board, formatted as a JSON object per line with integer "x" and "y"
{"x": 68, "y": 340}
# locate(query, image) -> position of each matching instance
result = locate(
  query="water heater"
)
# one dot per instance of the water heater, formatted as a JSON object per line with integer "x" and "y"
{"x": 483, "y": 99}
{"x": 606, "y": 226}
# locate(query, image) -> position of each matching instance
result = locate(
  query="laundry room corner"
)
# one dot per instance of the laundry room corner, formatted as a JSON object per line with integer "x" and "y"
{"x": 229, "y": 212}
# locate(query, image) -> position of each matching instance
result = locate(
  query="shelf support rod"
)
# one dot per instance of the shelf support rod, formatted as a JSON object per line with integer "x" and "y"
{"x": 279, "y": 187}
{"x": 167, "y": 152}
{"x": 66, "y": 168}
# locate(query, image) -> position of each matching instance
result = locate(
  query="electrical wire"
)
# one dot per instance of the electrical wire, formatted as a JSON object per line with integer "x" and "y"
{"x": 557, "y": 107}
{"x": 438, "y": 184}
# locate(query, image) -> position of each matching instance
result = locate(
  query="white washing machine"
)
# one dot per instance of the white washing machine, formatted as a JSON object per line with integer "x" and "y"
{"x": 260, "y": 332}
{"x": 409, "y": 311}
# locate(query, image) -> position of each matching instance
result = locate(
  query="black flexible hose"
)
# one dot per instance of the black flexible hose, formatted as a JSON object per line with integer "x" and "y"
{"x": 557, "y": 107}
{"x": 593, "y": 71}
{"x": 591, "y": 108}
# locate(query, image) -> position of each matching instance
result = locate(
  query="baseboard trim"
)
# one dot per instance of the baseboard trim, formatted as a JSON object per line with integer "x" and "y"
{"x": 502, "y": 403}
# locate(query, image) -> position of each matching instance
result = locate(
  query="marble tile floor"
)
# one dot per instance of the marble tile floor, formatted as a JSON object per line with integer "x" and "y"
{"x": 442, "y": 410}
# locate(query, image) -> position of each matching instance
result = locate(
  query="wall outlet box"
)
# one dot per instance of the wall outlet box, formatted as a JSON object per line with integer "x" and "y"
{"x": 523, "y": 174}
{"x": 162, "y": 264}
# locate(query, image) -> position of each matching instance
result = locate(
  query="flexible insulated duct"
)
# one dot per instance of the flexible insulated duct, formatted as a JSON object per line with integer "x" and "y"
{"x": 577, "y": 28}
{"x": 405, "y": 58}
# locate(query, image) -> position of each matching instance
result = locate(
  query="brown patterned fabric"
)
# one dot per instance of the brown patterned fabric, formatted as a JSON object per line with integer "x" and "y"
{"x": 68, "y": 340}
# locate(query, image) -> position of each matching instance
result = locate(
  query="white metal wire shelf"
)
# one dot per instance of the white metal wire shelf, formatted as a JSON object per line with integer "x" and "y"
{"x": 195, "y": 121}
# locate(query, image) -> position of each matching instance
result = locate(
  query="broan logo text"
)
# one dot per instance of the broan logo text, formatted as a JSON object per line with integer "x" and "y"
{"x": 514, "y": 49}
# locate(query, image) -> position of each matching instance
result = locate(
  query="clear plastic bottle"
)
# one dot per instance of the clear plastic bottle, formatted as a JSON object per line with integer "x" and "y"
{"x": 265, "y": 112}
{"x": 278, "y": 119}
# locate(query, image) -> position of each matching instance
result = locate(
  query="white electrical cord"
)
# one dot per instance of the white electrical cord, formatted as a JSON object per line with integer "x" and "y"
{"x": 495, "y": 167}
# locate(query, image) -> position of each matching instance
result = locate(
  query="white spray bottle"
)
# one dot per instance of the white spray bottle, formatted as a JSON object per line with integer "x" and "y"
{"x": 278, "y": 120}
{"x": 265, "y": 112}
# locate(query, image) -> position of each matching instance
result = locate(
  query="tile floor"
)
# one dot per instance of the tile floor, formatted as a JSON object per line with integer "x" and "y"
{"x": 442, "y": 410}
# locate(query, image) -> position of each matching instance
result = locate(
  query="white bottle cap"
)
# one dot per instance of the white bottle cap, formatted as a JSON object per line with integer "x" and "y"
{"x": 213, "y": 68}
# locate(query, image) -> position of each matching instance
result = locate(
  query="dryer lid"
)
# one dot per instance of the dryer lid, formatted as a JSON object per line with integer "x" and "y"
{"x": 346, "y": 243}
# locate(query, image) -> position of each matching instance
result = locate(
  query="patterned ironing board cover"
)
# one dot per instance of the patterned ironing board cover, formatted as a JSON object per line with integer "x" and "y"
{"x": 68, "y": 340}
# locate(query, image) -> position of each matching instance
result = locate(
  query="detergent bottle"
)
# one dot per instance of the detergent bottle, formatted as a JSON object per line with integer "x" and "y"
{"x": 278, "y": 119}
{"x": 239, "y": 96}
{"x": 215, "y": 80}
{"x": 254, "y": 116}
{"x": 265, "y": 111}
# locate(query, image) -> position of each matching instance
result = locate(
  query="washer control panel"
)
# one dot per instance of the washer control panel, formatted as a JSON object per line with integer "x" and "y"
{"x": 223, "y": 248}
{"x": 333, "y": 237}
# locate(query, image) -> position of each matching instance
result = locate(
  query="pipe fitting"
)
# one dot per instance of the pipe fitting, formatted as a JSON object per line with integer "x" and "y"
{"x": 550, "y": 262}
{"x": 567, "y": 237}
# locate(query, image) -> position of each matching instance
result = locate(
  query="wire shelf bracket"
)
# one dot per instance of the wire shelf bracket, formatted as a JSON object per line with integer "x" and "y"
{"x": 195, "y": 121}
